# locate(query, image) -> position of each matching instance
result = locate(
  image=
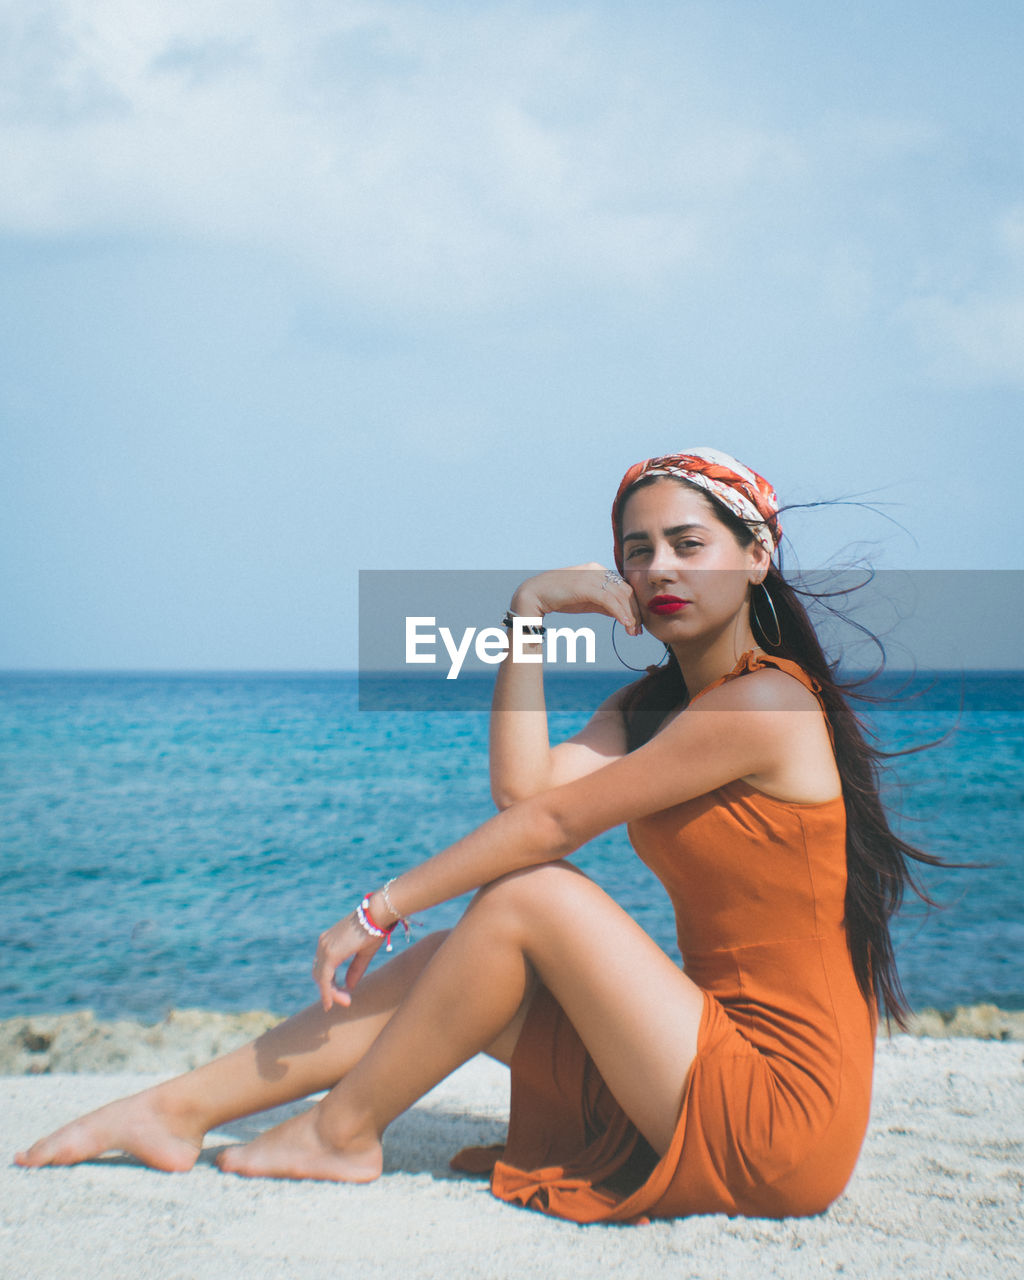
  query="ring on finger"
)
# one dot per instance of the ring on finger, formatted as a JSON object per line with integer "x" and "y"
{"x": 611, "y": 579}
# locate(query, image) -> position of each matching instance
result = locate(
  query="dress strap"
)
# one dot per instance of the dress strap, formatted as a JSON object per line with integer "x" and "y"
{"x": 751, "y": 661}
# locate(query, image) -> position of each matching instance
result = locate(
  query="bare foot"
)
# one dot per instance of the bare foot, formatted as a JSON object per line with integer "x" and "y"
{"x": 139, "y": 1125}
{"x": 297, "y": 1149}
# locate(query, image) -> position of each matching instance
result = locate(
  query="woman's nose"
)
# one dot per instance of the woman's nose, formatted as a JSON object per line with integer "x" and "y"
{"x": 660, "y": 564}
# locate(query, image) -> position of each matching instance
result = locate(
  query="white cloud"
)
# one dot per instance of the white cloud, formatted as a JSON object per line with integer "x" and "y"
{"x": 422, "y": 157}
{"x": 402, "y": 152}
{"x": 976, "y": 336}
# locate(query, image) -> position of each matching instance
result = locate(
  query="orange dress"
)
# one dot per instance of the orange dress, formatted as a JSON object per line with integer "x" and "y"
{"x": 776, "y": 1102}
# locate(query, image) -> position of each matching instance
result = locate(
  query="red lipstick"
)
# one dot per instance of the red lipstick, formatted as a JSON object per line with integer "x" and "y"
{"x": 666, "y": 604}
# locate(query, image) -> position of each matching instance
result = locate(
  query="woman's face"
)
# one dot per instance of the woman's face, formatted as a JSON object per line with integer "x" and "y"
{"x": 689, "y": 573}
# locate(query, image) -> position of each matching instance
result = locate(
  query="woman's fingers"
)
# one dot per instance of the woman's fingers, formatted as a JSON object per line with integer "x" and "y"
{"x": 617, "y": 593}
{"x": 638, "y": 622}
{"x": 325, "y": 985}
{"x": 627, "y": 608}
{"x": 358, "y": 966}
{"x": 337, "y": 995}
{"x": 330, "y": 993}
{"x": 341, "y": 943}
{"x": 323, "y": 976}
{"x": 332, "y": 950}
{"x": 582, "y": 588}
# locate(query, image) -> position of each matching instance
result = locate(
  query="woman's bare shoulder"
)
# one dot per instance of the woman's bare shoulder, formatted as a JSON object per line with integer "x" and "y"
{"x": 767, "y": 689}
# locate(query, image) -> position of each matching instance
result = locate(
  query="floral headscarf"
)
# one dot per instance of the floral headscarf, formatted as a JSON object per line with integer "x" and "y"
{"x": 745, "y": 493}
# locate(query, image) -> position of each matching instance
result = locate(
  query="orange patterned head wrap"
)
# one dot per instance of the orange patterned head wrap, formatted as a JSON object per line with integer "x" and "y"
{"x": 745, "y": 493}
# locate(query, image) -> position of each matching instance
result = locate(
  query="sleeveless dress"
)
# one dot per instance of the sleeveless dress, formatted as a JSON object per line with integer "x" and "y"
{"x": 776, "y": 1103}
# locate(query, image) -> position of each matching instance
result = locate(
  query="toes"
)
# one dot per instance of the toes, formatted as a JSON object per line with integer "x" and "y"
{"x": 246, "y": 1163}
{"x": 157, "y": 1150}
{"x": 41, "y": 1153}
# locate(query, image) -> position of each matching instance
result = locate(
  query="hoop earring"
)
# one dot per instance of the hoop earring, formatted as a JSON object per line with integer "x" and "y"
{"x": 774, "y": 644}
{"x": 629, "y": 665}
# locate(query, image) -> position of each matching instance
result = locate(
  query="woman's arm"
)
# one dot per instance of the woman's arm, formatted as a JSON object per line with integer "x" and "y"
{"x": 523, "y": 762}
{"x": 765, "y": 728}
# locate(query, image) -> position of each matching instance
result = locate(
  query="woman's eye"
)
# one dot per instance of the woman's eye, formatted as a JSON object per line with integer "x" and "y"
{"x": 635, "y": 552}
{"x": 688, "y": 544}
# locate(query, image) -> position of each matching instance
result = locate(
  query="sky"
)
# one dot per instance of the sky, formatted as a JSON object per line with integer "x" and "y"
{"x": 295, "y": 288}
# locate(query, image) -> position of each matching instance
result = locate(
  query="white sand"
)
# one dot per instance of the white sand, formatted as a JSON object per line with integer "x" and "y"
{"x": 939, "y": 1192}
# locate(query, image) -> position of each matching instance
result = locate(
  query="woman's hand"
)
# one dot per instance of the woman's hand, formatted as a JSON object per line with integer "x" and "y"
{"x": 342, "y": 941}
{"x": 582, "y": 588}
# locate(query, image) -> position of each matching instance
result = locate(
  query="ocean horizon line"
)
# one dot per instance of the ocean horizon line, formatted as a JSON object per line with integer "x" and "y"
{"x": 480, "y": 676}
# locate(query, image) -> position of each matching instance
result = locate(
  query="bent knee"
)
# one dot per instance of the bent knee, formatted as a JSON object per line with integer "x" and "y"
{"x": 531, "y": 885}
{"x": 421, "y": 952}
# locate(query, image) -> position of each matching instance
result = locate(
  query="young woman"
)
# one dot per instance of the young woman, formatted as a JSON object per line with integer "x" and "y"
{"x": 739, "y": 1084}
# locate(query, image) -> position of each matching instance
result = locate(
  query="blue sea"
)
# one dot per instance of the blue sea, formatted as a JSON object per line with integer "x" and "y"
{"x": 180, "y": 840}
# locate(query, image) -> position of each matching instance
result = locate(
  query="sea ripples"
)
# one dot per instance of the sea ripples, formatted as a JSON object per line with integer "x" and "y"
{"x": 171, "y": 840}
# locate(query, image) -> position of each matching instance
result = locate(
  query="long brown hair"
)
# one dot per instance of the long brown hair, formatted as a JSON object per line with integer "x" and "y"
{"x": 878, "y": 871}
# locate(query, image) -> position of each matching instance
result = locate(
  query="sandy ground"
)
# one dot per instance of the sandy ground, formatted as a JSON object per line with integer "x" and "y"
{"x": 938, "y": 1192}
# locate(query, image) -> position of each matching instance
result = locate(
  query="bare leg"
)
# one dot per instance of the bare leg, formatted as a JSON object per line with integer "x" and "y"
{"x": 636, "y": 1011}
{"x": 164, "y": 1126}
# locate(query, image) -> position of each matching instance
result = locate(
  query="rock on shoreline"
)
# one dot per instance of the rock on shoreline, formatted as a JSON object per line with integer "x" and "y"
{"x": 44, "y": 1044}
{"x": 68, "y": 1043}
{"x": 975, "y": 1021}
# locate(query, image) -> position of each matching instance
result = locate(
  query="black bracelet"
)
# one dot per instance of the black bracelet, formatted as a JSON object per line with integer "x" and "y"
{"x": 509, "y": 618}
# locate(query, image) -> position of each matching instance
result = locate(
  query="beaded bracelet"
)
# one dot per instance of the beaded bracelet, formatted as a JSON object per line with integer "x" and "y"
{"x": 370, "y": 926}
{"x": 509, "y": 619}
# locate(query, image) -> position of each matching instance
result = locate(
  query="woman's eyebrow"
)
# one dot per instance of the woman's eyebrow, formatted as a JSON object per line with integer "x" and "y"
{"x": 669, "y": 533}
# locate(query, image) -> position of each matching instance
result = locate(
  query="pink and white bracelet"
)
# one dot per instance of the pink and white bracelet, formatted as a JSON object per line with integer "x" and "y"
{"x": 371, "y": 927}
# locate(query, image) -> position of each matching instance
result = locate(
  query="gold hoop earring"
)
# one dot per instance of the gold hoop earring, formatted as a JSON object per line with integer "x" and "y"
{"x": 629, "y": 665}
{"x": 772, "y": 644}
